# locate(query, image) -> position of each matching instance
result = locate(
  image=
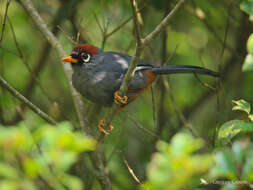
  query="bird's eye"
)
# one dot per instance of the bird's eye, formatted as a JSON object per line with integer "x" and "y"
{"x": 85, "y": 57}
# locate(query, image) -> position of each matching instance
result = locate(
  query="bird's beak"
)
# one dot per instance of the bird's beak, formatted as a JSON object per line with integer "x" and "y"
{"x": 69, "y": 59}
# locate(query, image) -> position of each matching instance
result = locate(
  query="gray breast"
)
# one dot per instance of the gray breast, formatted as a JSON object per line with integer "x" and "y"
{"x": 96, "y": 85}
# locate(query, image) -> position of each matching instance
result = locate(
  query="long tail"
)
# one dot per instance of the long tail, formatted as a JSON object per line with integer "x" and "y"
{"x": 173, "y": 69}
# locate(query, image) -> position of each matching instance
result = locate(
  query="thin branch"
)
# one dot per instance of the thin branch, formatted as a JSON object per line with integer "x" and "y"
{"x": 117, "y": 28}
{"x": 203, "y": 83}
{"x": 163, "y": 24}
{"x": 21, "y": 55}
{"x": 71, "y": 39}
{"x": 98, "y": 23}
{"x": 55, "y": 43}
{"x": 19, "y": 96}
{"x": 211, "y": 29}
{"x": 137, "y": 24}
{"x": 179, "y": 113}
{"x": 95, "y": 157}
{"x": 128, "y": 76}
{"x": 104, "y": 29}
{"x": 142, "y": 127}
{"x": 141, "y": 43}
{"x": 10, "y": 51}
{"x": 130, "y": 169}
{"x": 4, "y": 20}
{"x": 154, "y": 108}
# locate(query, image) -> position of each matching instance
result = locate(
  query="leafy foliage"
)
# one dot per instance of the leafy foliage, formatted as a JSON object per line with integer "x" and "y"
{"x": 235, "y": 165}
{"x": 247, "y": 6}
{"x": 231, "y": 128}
{"x": 41, "y": 157}
{"x": 175, "y": 166}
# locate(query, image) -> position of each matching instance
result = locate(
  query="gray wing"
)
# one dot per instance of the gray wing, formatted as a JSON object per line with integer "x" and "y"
{"x": 117, "y": 64}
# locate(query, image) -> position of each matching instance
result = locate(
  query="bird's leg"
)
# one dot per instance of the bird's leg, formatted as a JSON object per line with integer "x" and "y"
{"x": 118, "y": 99}
{"x": 102, "y": 129}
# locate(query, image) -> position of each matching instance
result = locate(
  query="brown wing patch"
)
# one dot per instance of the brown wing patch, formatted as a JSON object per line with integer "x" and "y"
{"x": 150, "y": 79}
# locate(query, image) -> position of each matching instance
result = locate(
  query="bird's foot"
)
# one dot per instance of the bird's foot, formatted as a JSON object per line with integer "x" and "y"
{"x": 118, "y": 99}
{"x": 101, "y": 128}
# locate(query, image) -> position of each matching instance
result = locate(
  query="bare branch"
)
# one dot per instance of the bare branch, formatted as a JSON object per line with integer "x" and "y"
{"x": 21, "y": 55}
{"x": 117, "y": 28}
{"x": 71, "y": 39}
{"x": 163, "y": 24}
{"x": 95, "y": 157}
{"x": 179, "y": 113}
{"x": 141, "y": 43}
{"x": 130, "y": 169}
{"x": 55, "y": 43}
{"x": 203, "y": 83}
{"x": 142, "y": 127}
{"x": 4, "y": 20}
{"x": 154, "y": 107}
{"x": 19, "y": 96}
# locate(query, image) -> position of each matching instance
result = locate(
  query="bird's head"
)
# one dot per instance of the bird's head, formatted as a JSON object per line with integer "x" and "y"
{"x": 81, "y": 54}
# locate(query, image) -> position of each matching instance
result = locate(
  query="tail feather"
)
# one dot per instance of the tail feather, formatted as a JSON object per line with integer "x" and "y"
{"x": 174, "y": 69}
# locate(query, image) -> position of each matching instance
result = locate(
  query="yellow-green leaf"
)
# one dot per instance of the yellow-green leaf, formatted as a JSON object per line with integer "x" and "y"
{"x": 241, "y": 105}
{"x": 248, "y": 63}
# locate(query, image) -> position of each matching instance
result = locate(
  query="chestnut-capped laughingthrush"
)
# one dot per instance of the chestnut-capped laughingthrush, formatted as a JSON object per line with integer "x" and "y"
{"x": 98, "y": 74}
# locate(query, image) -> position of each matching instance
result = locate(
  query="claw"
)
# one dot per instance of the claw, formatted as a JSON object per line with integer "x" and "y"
{"x": 118, "y": 99}
{"x": 102, "y": 129}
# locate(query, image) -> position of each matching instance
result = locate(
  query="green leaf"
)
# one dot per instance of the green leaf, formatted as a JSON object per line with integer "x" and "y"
{"x": 250, "y": 117}
{"x": 176, "y": 162}
{"x": 238, "y": 152}
{"x": 229, "y": 186}
{"x": 228, "y": 130}
{"x": 247, "y": 171}
{"x": 247, "y": 6}
{"x": 241, "y": 105}
{"x": 231, "y": 128}
{"x": 9, "y": 184}
{"x": 225, "y": 165}
{"x": 30, "y": 167}
{"x": 248, "y": 63}
{"x": 72, "y": 182}
{"x": 250, "y": 44}
{"x": 7, "y": 171}
{"x": 185, "y": 144}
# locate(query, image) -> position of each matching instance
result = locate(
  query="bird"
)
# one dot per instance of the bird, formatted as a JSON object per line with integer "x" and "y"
{"x": 98, "y": 75}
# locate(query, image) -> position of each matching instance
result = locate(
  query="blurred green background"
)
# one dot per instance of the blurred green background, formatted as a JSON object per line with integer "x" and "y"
{"x": 211, "y": 34}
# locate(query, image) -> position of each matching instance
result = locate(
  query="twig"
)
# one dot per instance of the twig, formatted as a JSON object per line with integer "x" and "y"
{"x": 141, "y": 43}
{"x": 128, "y": 75}
{"x": 67, "y": 36}
{"x": 155, "y": 111}
{"x": 179, "y": 113}
{"x": 10, "y": 51}
{"x": 211, "y": 29}
{"x": 4, "y": 20}
{"x": 55, "y": 43}
{"x": 104, "y": 29}
{"x": 95, "y": 157}
{"x": 142, "y": 127}
{"x": 130, "y": 169}
{"x": 163, "y": 24}
{"x": 203, "y": 83}
{"x": 34, "y": 108}
{"x": 22, "y": 57}
{"x": 60, "y": 16}
{"x": 117, "y": 28}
